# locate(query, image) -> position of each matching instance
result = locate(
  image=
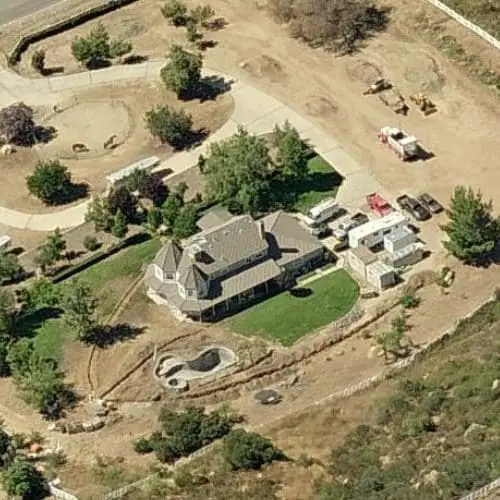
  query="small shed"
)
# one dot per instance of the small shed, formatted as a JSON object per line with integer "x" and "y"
{"x": 380, "y": 275}
{"x": 359, "y": 258}
{"x": 399, "y": 239}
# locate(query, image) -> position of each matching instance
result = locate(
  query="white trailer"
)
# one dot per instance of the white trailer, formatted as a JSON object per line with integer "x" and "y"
{"x": 322, "y": 212}
{"x": 403, "y": 144}
{"x": 5, "y": 242}
{"x": 373, "y": 232}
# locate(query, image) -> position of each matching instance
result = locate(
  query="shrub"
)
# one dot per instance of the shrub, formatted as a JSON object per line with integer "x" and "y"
{"x": 90, "y": 243}
{"x": 175, "y": 11}
{"x": 170, "y": 126}
{"x": 50, "y": 182}
{"x": 247, "y": 450}
{"x": 38, "y": 60}
{"x": 410, "y": 301}
{"x": 143, "y": 445}
{"x": 182, "y": 73}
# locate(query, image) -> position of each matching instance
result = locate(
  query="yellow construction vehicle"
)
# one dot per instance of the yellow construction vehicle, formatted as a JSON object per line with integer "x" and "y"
{"x": 426, "y": 106}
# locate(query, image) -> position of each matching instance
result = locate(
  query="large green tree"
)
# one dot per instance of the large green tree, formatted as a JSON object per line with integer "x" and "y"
{"x": 80, "y": 304}
{"x": 98, "y": 213}
{"x": 39, "y": 380}
{"x": 237, "y": 171}
{"x": 7, "y": 328}
{"x": 175, "y": 11}
{"x": 473, "y": 231}
{"x": 185, "y": 222}
{"x": 50, "y": 182}
{"x": 170, "y": 126}
{"x": 182, "y": 73}
{"x": 292, "y": 153}
{"x": 51, "y": 251}
{"x": 23, "y": 480}
{"x": 123, "y": 200}
{"x": 92, "y": 48}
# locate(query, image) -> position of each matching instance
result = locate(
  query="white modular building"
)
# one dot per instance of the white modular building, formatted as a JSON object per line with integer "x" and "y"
{"x": 373, "y": 232}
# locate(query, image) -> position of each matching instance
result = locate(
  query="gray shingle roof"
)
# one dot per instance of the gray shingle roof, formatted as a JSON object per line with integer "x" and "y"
{"x": 227, "y": 244}
{"x": 168, "y": 258}
{"x": 191, "y": 277}
{"x": 288, "y": 240}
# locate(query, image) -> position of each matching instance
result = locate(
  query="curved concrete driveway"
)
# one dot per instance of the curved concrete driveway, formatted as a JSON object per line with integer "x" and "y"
{"x": 253, "y": 109}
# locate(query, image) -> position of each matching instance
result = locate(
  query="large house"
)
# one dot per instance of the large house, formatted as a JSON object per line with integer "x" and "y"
{"x": 233, "y": 260}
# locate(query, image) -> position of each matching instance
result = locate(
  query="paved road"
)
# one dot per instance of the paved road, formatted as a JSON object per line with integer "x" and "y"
{"x": 14, "y": 9}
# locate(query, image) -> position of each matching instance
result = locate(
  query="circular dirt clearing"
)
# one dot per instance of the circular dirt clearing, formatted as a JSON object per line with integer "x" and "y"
{"x": 88, "y": 124}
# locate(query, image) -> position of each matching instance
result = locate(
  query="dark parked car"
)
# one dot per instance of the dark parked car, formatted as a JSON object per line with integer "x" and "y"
{"x": 413, "y": 207}
{"x": 430, "y": 203}
{"x": 321, "y": 231}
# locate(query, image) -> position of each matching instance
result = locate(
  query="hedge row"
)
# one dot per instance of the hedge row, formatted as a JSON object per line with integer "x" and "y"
{"x": 98, "y": 256}
{"x": 75, "y": 20}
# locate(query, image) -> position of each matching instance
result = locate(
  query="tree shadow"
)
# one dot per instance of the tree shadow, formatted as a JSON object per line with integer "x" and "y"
{"x": 191, "y": 140}
{"x": 98, "y": 64}
{"x": 207, "y": 44}
{"x": 215, "y": 24}
{"x": 74, "y": 192}
{"x": 107, "y": 335}
{"x": 286, "y": 194}
{"x": 301, "y": 293}
{"x": 135, "y": 59}
{"x": 52, "y": 70}
{"x": 28, "y": 322}
{"x": 208, "y": 89}
{"x": 17, "y": 251}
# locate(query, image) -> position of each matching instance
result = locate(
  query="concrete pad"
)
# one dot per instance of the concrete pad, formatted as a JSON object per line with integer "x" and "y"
{"x": 251, "y": 104}
{"x": 279, "y": 117}
{"x": 352, "y": 193}
{"x": 180, "y": 162}
{"x": 113, "y": 74}
{"x": 319, "y": 141}
{"x": 341, "y": 162}
{"x": 66, "y": 82}
{"x": 227, "y": 130}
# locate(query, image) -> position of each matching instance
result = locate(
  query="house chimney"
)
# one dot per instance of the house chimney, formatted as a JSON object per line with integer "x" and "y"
{"x": 262, "y": 231}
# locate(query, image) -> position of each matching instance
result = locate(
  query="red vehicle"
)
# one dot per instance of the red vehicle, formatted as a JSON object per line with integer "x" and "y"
{"x": 378, "y": 204}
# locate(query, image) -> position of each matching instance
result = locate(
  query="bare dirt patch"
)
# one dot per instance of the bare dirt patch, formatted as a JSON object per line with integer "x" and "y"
{"x": 90, "y": 117}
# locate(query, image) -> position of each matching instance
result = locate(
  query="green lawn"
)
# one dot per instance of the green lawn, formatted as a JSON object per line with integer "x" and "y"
{"x": 50, "y": 333}
{"x": 287, "y": 317}
{"x": 323, "y": 183}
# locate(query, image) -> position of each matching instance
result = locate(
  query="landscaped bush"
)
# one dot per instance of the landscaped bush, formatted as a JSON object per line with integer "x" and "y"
{"x": 90, "y": 243}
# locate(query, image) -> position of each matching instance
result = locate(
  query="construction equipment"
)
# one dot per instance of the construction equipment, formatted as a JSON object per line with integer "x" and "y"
{"x": 395, "y": 100}
{"x": 404, "y": 145}
{"x": 378, "y": 85}
{"x": 426, "y": 106}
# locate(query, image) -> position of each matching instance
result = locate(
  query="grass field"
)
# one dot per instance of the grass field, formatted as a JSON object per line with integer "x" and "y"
{"x": 292, "y": 314}
{"x": 109, "y": 280}
{"x": 323, "y": 183}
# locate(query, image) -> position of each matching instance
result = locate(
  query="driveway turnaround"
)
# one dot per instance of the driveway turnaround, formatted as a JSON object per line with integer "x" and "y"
{"x": 253, "y": 109}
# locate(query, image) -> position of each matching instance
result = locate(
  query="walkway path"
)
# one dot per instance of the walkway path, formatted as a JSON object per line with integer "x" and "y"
{"x": 255, "y": 110}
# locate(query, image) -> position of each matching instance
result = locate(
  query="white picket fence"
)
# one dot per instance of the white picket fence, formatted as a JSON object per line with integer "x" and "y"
{"x": 58, "y": 493}
{"x": 466, "y": 23}
{"x": 482, "y": 492}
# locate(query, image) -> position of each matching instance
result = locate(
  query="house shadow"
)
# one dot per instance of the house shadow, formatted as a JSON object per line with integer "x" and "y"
{"x": 105, "y": 336}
